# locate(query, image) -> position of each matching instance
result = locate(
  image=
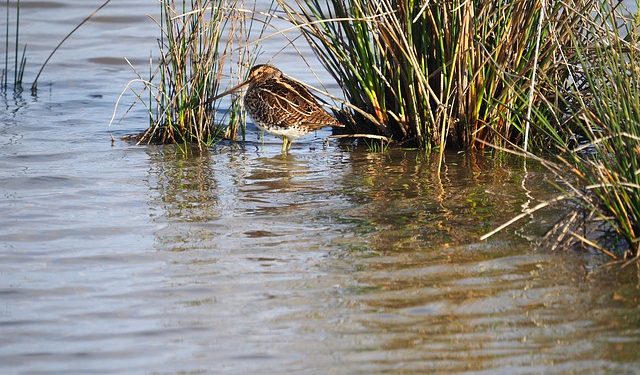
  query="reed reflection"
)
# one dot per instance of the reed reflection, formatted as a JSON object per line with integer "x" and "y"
{"x": 426, "y": 292}
{"x": 407, "y": 202}
{"x": 185, "y": 182}
{"x": 232, "y": 198}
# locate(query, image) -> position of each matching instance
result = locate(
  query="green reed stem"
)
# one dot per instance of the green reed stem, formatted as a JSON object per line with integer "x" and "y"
{"x": 592, "y": 124}
{"x": 438, "y": 73}
{"x": 200, "y": 40}
{"x": 15, "y": 73}
{"x": 6, "y": 52}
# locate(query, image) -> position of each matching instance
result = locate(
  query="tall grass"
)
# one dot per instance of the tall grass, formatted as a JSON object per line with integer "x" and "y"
{"x": 201, "y": 40}
{"x": 432, "y": 73}
{"x": 542, "y": 75}
{"x": 190, "y": 72}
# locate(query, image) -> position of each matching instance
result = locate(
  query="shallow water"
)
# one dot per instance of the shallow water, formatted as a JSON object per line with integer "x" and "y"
{"x": 117, "y": 258}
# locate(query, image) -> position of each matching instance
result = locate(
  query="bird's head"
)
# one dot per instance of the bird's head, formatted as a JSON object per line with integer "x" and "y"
{"x": 259, "y": 73}
{"x": 263, "y": 72}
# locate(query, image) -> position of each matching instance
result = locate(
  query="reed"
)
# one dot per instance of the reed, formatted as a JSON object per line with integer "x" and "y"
{"x": 557, "y": 76}
{"x": 20, "y": 60}
{"x": 189, "y": 72}
{"x": 200, "y": 39}
{"x": 593, "y": 135}
{"x": 441, "y": 72}
{"x": 603, "y": 102}
{"x": 34, "y": 85}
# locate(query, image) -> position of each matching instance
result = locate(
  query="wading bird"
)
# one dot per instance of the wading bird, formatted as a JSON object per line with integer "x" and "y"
{"x": 281, "y": 106}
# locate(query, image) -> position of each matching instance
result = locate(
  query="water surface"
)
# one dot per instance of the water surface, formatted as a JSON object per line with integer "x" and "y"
{"x": 118, "y": 258}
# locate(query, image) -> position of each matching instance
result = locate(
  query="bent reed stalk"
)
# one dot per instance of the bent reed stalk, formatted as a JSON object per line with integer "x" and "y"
{"x": 20, "y": 60}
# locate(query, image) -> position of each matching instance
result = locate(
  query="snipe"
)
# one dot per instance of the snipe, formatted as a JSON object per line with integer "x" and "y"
{"x": 281, "y": 106}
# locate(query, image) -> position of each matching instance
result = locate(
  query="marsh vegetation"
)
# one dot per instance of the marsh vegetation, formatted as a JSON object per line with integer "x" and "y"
{"x": 202, "y": 43}
{"x": 554, "y": 79}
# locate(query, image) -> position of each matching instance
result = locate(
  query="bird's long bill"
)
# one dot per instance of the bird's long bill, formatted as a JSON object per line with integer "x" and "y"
{"x": 233, "y": 89}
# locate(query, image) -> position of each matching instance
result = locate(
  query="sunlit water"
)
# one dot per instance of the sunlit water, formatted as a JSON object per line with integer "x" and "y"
{"x": 146, "y": 259}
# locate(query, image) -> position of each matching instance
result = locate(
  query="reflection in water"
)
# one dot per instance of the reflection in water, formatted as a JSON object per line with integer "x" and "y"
{"x": 186, "y": 182}
{"x": 361, "y": 262}
{"x": 227, "y": 194}
{"x": 404, "y": 197}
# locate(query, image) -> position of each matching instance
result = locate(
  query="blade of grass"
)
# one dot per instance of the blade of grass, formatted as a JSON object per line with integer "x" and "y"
{"x": 15, "y": 70}
{"x": 34, "y": 86}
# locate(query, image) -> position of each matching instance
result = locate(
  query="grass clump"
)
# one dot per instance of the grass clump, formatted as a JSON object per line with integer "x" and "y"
{"x": 593, "y": 130}
{"x": 200, "y": 39}
{"x": 604, "y": 104}
{"x": 441, "y": 72}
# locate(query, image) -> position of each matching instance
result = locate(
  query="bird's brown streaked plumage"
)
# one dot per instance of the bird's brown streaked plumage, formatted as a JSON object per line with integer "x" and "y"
{"x": 282, "y": 106}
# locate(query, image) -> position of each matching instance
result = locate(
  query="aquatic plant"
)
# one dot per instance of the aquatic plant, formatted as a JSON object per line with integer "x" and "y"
{"x": 189, "y": 72}
{"x": 34, "y": 85}
{"x": 199, "y": 40}
{"x": 594, "y": 136}
{"x": 604, "y": 104}
{"x": 555, "y": 75}
{"x": 441, "y": 72}
{"x": 20, "y": 60}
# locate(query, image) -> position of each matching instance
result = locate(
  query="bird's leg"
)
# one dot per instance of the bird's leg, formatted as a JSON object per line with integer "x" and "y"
{"x": 285, "y": 148}
{"x": 289, "y": 143}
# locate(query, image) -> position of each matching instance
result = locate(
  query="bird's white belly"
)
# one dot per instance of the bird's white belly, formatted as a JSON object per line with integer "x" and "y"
{"x": 290, "y": 132}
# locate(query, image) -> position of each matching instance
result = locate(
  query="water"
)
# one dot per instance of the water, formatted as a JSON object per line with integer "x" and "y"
{"x": 117, "y": 258}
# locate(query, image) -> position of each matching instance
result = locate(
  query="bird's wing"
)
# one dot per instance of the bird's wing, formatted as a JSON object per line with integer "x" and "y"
{"x": 293, "y": 104}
